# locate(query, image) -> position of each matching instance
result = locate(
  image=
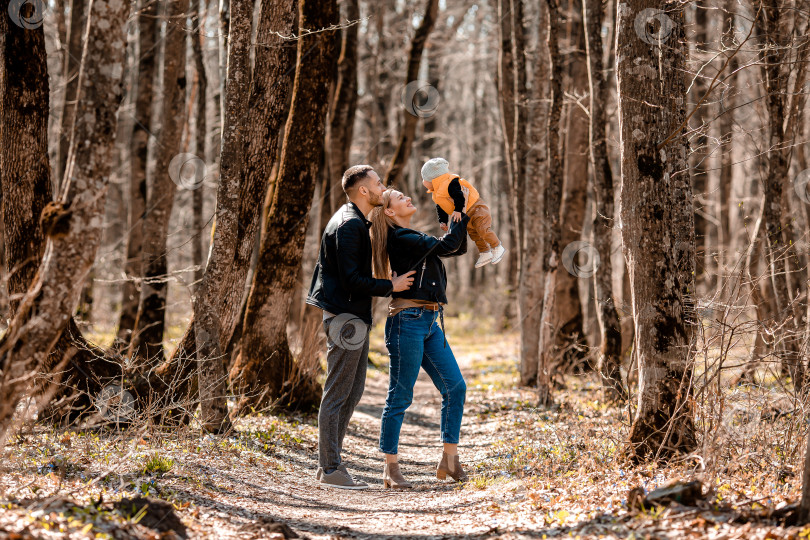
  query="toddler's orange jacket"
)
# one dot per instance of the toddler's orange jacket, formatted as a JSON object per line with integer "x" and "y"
{"x": 442, "y": 197}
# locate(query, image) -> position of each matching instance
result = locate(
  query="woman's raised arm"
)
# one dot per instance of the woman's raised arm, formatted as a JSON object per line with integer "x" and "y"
{"x": 425, "y": 244}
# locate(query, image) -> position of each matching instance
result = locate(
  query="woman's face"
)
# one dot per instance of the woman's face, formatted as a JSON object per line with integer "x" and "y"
{"x": 400, "y": 206}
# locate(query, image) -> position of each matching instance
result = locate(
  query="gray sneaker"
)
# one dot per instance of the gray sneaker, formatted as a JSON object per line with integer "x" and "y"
{"x": 341, "y": 479}
{"x": 319, "y": 472}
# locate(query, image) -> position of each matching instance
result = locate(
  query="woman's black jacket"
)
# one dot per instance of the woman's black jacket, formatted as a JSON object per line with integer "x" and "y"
{"x": 413, "y": 250}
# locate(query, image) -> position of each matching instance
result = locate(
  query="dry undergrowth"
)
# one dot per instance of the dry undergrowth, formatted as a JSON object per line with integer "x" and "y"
{"x": 535, "y": 473}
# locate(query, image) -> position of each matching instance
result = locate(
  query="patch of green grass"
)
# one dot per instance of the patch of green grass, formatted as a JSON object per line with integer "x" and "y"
{"x": 494, "y": 373}
{"x": 157, "y": 464}
{"x": 482, "y": 481}
{"x": 379, "y": 360}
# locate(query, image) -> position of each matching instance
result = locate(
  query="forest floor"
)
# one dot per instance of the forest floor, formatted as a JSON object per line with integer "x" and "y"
{"x": 534, "y": 474}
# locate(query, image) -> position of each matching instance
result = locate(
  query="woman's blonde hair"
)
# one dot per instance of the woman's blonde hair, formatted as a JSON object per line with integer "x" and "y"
{"x": 380, "y": 223}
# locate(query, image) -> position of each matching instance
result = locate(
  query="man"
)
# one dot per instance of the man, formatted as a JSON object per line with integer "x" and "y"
{"x": 342, "y": 286}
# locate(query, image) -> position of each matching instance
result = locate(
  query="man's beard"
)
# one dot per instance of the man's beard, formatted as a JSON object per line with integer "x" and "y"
{"x": 374, "y": 199}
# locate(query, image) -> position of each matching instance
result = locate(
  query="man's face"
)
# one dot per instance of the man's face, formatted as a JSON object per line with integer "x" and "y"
{"x": 375, "y": 188}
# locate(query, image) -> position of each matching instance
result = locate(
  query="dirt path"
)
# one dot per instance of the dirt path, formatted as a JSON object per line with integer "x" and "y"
{"x": 432, "y": 509}
{"x": 534, "y": 473}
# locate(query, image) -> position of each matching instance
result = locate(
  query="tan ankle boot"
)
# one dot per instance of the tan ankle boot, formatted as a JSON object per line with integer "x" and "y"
{"x": 450, "y": 465}
{"x": 393, "y": 479}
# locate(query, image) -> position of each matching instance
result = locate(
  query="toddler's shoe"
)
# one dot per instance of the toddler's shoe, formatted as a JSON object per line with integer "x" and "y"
{"x": 498, "y": 253}
{"x": 484, "y": 259}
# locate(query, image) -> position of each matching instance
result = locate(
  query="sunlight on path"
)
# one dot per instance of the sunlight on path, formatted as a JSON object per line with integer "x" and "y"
{"x": 431, "y": 508}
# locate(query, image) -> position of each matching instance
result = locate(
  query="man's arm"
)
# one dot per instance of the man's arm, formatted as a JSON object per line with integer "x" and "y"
{"x": 348, "y": 241}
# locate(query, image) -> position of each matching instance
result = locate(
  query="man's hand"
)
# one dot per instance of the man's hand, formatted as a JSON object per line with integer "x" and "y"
{"x": 403, "y": 282}
{"x": 456, "y": 216}
{"x": 466, "y": 193}
{"x": 444, "y": 227}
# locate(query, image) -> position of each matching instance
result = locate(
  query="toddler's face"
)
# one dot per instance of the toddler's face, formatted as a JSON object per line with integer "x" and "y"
{"x": 428, "y": 184}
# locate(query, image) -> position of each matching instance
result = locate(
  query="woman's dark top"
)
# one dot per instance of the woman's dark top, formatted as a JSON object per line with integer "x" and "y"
{"x": 413, "y": 250}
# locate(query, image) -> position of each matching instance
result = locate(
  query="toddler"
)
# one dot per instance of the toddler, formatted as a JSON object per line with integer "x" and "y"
{"x": 446, "y": 189}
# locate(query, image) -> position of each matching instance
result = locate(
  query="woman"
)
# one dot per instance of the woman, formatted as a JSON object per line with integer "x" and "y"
{"x": 412, "y": 332}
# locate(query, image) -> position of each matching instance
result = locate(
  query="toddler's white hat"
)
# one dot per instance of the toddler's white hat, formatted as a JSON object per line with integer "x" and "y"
{"x": 435, "y": 168}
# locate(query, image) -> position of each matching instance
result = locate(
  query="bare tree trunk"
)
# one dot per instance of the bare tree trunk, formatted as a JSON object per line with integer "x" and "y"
{"x": 147, "y": 29}
{"x": 569, "y": 337}
{"x": 610, "y": 351}
{"x": 506, "y": 92}
{"x": 72, "y": 225}
{"x": 267, "y": 110}
{"x": 700, "y": 155}
{"x": 61, "y": 30}
{"x": 520, "y": 149}
{"x": 381, "y": 87}
{"x": 342, "y": 111}
{"x": 551, "y": 252}
{"x": 78, "y": 9}
{"x": 24, "y": 168}
{"x": 147, "y": 340}
{"x": 412, "y": 113}
{"x": 207, "y": 331}
{"x": 197, "y": 252}
{"x": 224, "y": 32}
{"x": 25, "y": 177}
{"x": 725, "y": 239}
{"x": 508, "y": 84}
{"x": 757, "y": 299}
{"x": 511, "y": 86}
{"x": 772, "y": 26}
{"x": 265, "y": 369}
{"x": 658, "y": 222}
{"x": 803, "y": 512}
{"x": 530, "y": 297}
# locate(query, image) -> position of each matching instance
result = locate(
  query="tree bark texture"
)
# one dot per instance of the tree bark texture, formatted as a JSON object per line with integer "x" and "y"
{"x": 73, "y": 223}
{"x": 141, "y": 131}
{"x": 265, "y": 369}
{"x": 207, "y": 331}
{"x": 569, "y": 338}
{"x": 610, "y": 350}
{"x": 147, "y": 339}
{"x": 773, "y": 27}
{"x": 25, "y": 177}
{"x": 530, "y": 297}
{"x": 342, "y": 112}
{"x": 78, "y": 19}
{"x": 700, "y": 155}
{"x": 505, "y": 79}
{"x": 271, "y": 86}
{"x": 520, "y": 148}
{"x": 198, "y": 255}
{"x": 409, "y": 119}
{"x": 25, "y": 171}
{"x": 657, "y": 221}
{"x": 552, "y": 198}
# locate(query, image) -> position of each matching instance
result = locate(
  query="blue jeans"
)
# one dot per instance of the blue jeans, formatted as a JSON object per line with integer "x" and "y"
{"x": 414, "y": 339}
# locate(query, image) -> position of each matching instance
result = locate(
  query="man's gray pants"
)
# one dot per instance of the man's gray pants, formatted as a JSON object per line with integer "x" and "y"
{"x": 346, "y": 364}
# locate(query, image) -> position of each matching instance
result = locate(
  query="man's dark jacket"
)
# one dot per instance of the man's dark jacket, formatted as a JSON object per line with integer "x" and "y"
{"x": 342, "y": 281}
